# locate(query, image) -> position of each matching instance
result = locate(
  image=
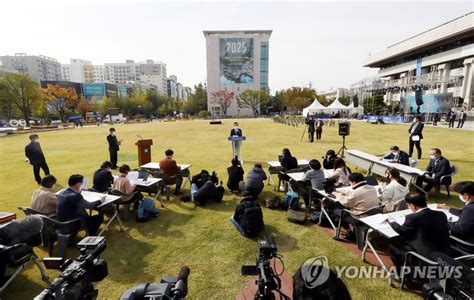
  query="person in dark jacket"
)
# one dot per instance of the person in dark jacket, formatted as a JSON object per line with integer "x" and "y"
{"x": 103, "y": 179}
{"x": 464, "y": 227}
{"x": 255, "y": 181}
{"x": 328, "y": 160}
{"x": 236, "y": 175}
{"x": 36, "y": 157}
{"x": 246, "y": 201}
{"x": 437, "y": 168}
{"x": 319, "y": 129}
{"x": 114, "y": 147}
{"x": 310, "y": 123}
{"x": 416, "y": 135}
{"x": 398, "y": 156}
{"x": 72, "y": 205}
{"x": 235, "y": 131}
{"x": 211, "y": 191}
{"x": 451, "y": 119}
{"x": 287, "y": 161}
{"x": 424, "y": 231}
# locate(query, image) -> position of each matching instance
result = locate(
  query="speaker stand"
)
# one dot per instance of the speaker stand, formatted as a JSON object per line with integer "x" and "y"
{"x": 343, "y": 147}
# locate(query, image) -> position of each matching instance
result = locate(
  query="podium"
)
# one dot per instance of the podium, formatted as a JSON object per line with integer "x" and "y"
{"x": 144, "y": 151}
{"x": 236, "y": 143}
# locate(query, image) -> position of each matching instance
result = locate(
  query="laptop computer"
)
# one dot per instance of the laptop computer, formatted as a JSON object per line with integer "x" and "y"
{"x": 143, "y": 175}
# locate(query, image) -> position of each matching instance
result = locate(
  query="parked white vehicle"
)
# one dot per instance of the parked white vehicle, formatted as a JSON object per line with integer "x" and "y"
{"x": 115, "y": 119}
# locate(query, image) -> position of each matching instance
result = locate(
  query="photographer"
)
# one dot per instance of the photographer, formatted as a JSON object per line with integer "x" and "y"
{"x": 248, "y": 217}
{"x": 328, "y": 160}
{"x": 210, "y": 191}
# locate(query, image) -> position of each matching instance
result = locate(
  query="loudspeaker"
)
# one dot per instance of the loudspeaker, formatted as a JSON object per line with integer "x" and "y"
{"x": 419, "y": 95}
{"x": 344, "y": 129}
{"x": 355, "y": 101}
{"x": 215, "y": 122}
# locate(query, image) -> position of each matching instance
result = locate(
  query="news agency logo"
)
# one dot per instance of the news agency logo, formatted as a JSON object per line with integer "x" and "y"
{"x": 315, "y": 271}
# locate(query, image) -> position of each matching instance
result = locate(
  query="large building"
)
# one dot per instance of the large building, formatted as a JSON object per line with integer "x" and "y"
{"x": 438, "y": 62}
{"x": 38, "y": 68}
{"x": 334, "y": 93}
{"x": 237, "y": 60}
{"x": 78, "y": 70}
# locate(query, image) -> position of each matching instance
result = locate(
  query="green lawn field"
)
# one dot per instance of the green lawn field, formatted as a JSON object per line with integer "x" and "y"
{"x": 203, "y": 237}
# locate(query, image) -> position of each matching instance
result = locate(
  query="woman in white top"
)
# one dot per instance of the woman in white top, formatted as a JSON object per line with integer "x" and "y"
{"x": 393, "y": 194}
{"x": 341, "y": 173}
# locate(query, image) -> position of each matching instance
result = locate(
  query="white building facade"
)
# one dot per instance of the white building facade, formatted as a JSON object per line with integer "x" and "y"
{"x": 39, "y": 68}
{"x": 237, "y": 60}
{"x": 439, "y": 61}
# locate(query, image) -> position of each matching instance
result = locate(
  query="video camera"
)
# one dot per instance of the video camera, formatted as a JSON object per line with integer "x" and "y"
{"x": 459, "y": 285}
{"x": 268, "y": 281}
{"x": 170, "y": 287}
{"x": 77, "y": 275}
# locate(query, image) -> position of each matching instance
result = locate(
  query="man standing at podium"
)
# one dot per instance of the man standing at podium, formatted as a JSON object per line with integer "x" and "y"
{"x": 113, "y": 147}
{"x": 236, "y": 131}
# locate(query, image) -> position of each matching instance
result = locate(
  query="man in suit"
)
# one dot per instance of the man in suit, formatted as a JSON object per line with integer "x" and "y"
{"x": 424, "y": 231}
{"x": 310, "y": 122}
{"x": 236, "y": 131}
{"x": 398, "y": 156}
{"x": 72, "y": 205}
{"x": 169, "y": 167}
{"x": 462, "y": 119}
{"x": 103, "y": 179}
{"x": 464, "y": 227}
{"x": 36, "y": 157}
{"x": 114, "y": 147}
{"x": 416, "y": 135}
{"x": 437, "y": 167}
{"x": 436, "y": 118}
{"x": 451, "y": 119}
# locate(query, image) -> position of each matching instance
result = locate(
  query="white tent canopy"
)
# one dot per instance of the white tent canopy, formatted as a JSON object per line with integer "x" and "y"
{"x": 315, "y": 107}
{"x": 337, "y": 105}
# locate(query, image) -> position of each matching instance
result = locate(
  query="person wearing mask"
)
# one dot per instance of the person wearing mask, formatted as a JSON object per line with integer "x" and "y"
{"x": 72, "y": 205}
{"x": 361, "y": 198}
{"x": 394, "y": 193}
{"x": 328, "y": 160}
{"x": 316, "y": 176}
{"x": 462, "y": 119}
{"x": 452, "y": 119}
{"x": 236, "y": 131}
{"x": 397, "y": 156}
{"x": 123, "y": 185}
{"x": 319, "y": 129}
{"x": 35, "y": 155}
{"x": 44, "y": 200}
{"x": 464, "y": 227}
{"x": 415, "y": 136}
{"x": 114, "y": 147}
{"x": 310, "y": 123}
{"x": 169, "y": 167}
{"x": 236, "y": 175}
{"x": 255, "y": 181}
{"x": 424, "y": 231}
{"x": 437, "y": 168}
{"x": 341, "y": 173}
{"x": 103, "y": 179}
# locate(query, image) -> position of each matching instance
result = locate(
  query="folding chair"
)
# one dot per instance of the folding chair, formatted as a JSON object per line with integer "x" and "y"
{"x": 64, "y": 233}
{"x": 446, "y": 180}
{"x": 461, "y": 246}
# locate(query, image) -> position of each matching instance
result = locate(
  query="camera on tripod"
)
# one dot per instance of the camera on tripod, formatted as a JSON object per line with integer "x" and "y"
{"x": 77, "y": 275}
{"x": 268, "y": 281}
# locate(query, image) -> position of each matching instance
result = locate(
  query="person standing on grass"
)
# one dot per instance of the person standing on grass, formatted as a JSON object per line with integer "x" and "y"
{"x": 462, "y": 119}
{"x": 416, "y": 135}
{"x": 310, "y": 123}
{"x": 114, "y": 147}
{"x": 319, "y": 129}
{"x": 35, "y": 155}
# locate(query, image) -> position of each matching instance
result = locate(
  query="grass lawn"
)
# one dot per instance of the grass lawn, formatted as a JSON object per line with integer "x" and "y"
{"x": 203, "y": 237}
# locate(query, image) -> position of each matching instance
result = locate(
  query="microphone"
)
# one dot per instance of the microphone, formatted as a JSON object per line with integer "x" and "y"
{"x": 180, "y": 289}
{"x": 139, "y": 136}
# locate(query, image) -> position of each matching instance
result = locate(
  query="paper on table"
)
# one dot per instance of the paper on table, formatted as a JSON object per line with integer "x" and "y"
{"x": 399, "y": 219}
{"x": 132, "y": 176}
{"x": 379, "y": 218}
{"x": 415, "y": 138}
{"x": 85, "y": 182}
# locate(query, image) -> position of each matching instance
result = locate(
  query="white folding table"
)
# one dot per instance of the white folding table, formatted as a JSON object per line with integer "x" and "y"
{"x": 90, "y": 196}
{"x": 153, "y": 166}
{"x": 274, "y": 167}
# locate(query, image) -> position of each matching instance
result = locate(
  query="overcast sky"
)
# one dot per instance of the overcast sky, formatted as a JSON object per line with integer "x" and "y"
{"x": 322, "y": 42}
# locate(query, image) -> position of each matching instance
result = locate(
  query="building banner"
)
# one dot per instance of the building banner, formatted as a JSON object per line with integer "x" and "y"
{"x": 431, "y": 103}
{"x": 236, "y": 60}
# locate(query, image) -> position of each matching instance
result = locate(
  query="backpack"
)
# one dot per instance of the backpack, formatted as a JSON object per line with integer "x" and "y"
{"x": 291, "y": 200}
{"x": 273, "y": 202}
{"x": 146, "y": 210}
{"x": 252, "y": 219}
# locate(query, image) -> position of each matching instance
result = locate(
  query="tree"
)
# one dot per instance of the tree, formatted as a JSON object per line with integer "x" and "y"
{"x": 299, "y": 98}
{"x": 23, "y": 92}
{"x": 7, "y": 106}
{"x": 197, "y": 100}
{"x": 374, "y": 104}
{"x": 323, "y": 100}
{"x": 84, "y": 106}
{"x": 252, "y": 99}
{"x": 61, "y": 99}
{"x": 276, "y": 103}
{"x": 223, "y": 99}
{"x": 345, "y": 100}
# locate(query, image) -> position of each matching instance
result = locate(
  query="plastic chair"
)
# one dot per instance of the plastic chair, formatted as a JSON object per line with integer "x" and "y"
{"x": 447, "y": 179}
{"x": 47, "y": 231}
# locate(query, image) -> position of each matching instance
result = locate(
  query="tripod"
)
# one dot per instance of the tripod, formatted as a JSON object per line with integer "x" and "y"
{"x": 343, "y": 147}
{"x": 304, "y": 131}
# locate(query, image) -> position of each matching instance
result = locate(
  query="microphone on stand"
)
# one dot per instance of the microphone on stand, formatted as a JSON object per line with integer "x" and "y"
{"x": 139, "y": 136}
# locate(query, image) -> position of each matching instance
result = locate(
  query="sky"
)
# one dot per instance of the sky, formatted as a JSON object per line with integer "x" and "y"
{"x": 325, "y": 43}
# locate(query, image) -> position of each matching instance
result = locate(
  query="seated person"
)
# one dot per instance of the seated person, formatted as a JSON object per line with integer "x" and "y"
{"x": 255, "y": 181}
{"x": 236, "y": 175}
{"x": 123, "y": 185}
{"x": 72, "y": 205}
{"x": 464, "y": 227}
{"x": 332, "y": 288}
{"x": 44, "y": 199}
{"x": 361, "y": 198}
{"x": 211, "y": 191}
{"x": 328, "y": 160}
{"x": 103, "y": 178}
{"x": 393, "y": 194}
{"x": 200, "y": 179}
{"x": 287, "y": 161}
{"x": 437, "y": 167}
{"x": 398, "y": 156}
{"x": 424, "y": 231}
{"x": 341, "y": 174}
{"x": 316, "y": 176}
{"x": 248, "y": 216}
{"x": 169, "y": 167}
